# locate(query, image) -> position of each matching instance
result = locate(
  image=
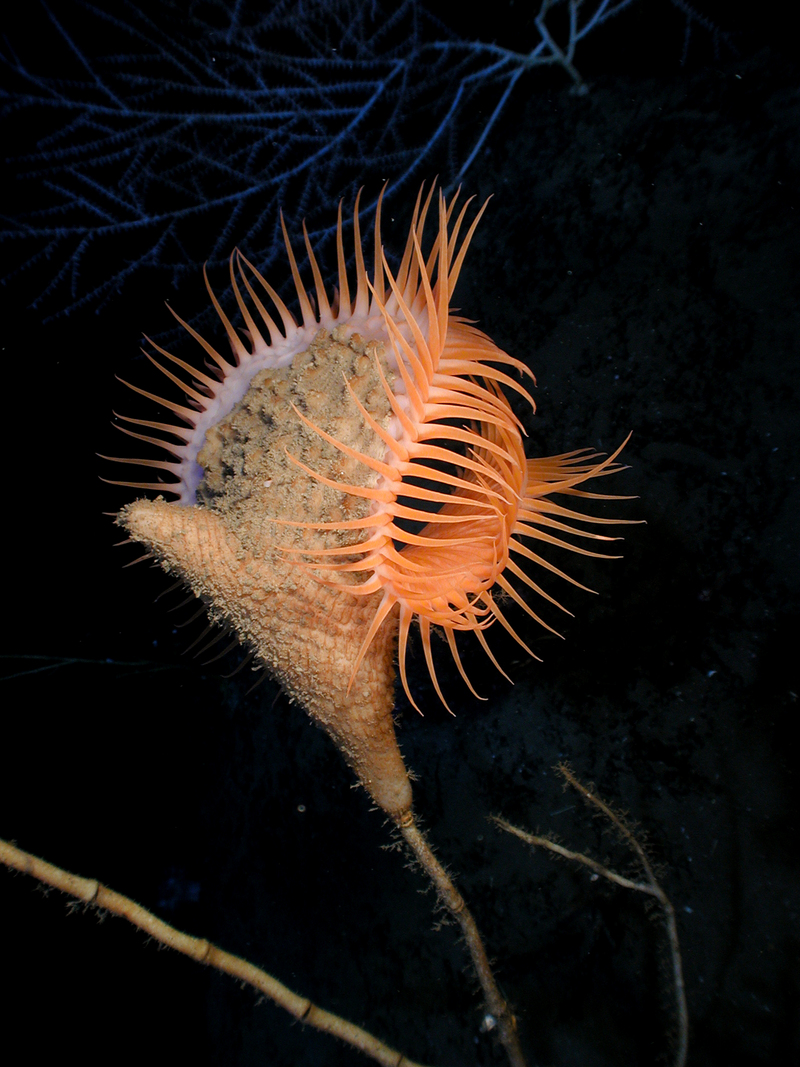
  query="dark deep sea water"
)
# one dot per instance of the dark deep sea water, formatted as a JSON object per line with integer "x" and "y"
{"x": 641, "y": 253}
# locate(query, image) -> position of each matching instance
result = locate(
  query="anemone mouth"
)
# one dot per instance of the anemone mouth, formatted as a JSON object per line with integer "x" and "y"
{"x": 433, "y": 499}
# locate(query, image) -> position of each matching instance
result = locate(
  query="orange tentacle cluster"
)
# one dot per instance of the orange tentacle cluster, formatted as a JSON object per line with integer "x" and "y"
{"x": 453, "y": 496}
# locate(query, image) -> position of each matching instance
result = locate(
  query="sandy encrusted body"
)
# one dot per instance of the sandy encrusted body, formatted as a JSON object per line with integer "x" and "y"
{"x": 229, "y": 551}
{"x": 250, "y": 479}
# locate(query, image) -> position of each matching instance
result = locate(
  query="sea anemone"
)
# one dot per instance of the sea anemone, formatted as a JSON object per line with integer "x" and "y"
{"x": 360, "y": 469}
{"x": 439, "y": 498}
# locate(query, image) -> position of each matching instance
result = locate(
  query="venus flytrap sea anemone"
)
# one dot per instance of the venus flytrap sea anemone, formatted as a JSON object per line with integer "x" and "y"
{"x": 349, "y": 473}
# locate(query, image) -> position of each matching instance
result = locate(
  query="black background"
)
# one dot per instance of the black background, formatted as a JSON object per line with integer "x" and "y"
{"x": 641, "y": 254}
